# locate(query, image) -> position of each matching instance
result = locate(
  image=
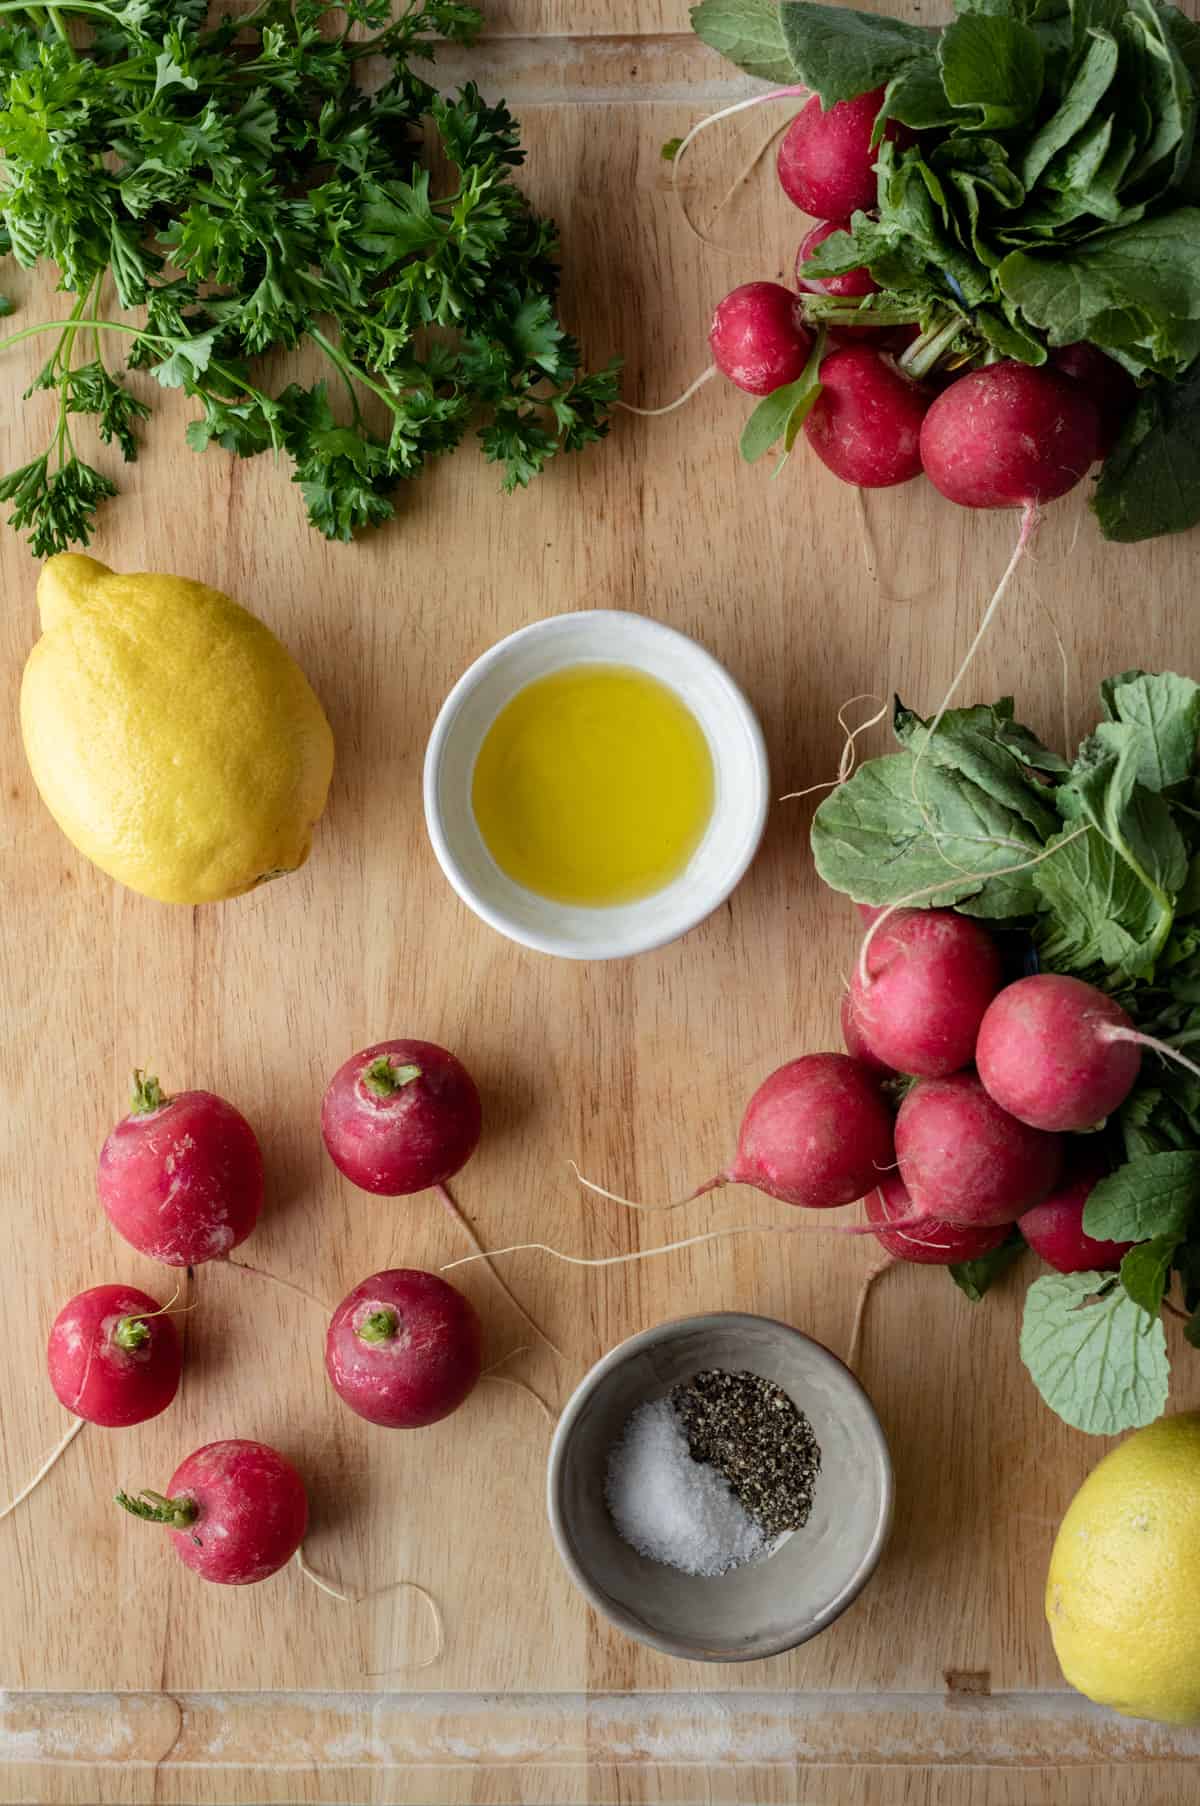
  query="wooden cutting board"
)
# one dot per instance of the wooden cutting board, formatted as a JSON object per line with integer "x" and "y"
{"x": 130, "y": 1680}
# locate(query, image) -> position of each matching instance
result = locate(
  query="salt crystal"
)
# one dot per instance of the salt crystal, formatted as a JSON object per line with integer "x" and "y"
{"x": 673, "y": 1509}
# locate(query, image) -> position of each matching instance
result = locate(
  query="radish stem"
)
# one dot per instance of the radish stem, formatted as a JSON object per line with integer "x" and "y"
{"x": 147, "y": 1094}
{"x": 382, "y": 1079}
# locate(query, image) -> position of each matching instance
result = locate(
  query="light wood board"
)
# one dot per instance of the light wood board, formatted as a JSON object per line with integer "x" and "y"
{"x": 638, "y": 1070}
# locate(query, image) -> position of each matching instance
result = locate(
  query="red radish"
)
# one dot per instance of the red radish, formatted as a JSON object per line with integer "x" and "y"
{"x": 758, "y": 337}
{"x": 928, "y": 1242}
{"x": 1054, "y": 1229}
{"x": 965, "y": 1160}
{"x": 853, "y": 283}
{"x": 181, "y": 1178}
{"x": 401, "y": 1116}
{"x": 1111, "y": 388}
{"x": 404, "y": 1349}
{"x": 114, "y": 1356}
{"x": 816, "y": 1133}
{"x": 856, "y": 1046}
{"x": 870, "y": 912}
{"x": 1009, "y": 436}
{"x": 932, "y": 975}
{"x": 236, "y": 1511}
{"x": 826, "y": 162}
{"x": 865, "y": 425}
{"x": 1057, "y": 1053}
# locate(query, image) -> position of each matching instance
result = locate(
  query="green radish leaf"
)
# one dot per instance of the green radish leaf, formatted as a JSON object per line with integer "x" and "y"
{"x": 749, "y": 33}
{"x": 1091, "y": 82}
{"x": 974, "y": 1277}
{"x": 1091, "y": 1354}
{"x": 1145, "y": 1272}
{"x": 1164, "y": 710}
{"x": 784, "y": 411}
{"x": 1136, "y": 291}
{"x": 992, "y": 70}
{"x": 871, "y": 839}
{"x": 985, "y": 745}
{"x": 1095, "y": 910}
{"x": 1144, "y": 1199}
{"x": 1150, "y": 483}
{"x": 915, "y": 96}
{"x": 842, "y": 54}
{"x": 670, "y": 150}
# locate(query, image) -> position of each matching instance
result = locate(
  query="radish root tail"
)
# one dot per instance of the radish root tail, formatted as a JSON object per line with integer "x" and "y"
{"x": 705, "y": 376}
{"x": 741, "y": 106}
{"x": 1162, "y": 1048}
{"x": 690, "y": 1241}
{"x": 615, "y": 1197}
{"x": 288, "y": 1285}
{"x": 503, "y": 1379}
{"x": 481, "y": 1253}
{"x": 55, "y": 1454}
{"x": 413, "y": 1586}
{"x": 870, "y": 1279}
{"x": 849, "y": 754}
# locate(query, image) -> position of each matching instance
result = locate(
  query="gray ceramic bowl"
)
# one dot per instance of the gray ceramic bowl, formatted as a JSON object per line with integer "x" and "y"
{"x": 764, "y": 1607}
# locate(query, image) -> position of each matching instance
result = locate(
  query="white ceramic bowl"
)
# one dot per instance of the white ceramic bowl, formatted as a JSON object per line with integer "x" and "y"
{"x": 741, "y": 779}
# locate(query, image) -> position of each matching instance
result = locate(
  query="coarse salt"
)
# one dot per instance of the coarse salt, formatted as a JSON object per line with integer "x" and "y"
{"x": 673, "y": 1509}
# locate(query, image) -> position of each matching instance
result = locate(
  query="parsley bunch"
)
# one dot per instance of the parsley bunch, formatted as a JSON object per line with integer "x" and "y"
{"x": 1096, "y": 864}
{"x": 241, "y": 190}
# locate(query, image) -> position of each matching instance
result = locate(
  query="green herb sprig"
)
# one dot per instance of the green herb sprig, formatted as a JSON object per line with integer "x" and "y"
{"x": 1052, "y": 197}
{"x": 240, "y": 187}
{"x": 1109, "y": 891}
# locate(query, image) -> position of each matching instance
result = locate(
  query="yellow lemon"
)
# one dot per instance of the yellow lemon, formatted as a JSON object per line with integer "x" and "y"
{"x": 1121, "y": 1596}
{"x": 172, "y": 737}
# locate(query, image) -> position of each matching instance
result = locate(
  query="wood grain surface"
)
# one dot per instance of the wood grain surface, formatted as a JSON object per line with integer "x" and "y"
{"x": 637, "y": 1069}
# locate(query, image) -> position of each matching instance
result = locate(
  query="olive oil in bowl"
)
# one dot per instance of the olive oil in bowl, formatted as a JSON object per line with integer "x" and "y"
{"x": 593, "y": 786}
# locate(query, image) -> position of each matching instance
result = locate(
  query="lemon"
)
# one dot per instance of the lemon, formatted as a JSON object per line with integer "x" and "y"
{"x": 1121, "y": 1596}
{"x": 171, "y": 736}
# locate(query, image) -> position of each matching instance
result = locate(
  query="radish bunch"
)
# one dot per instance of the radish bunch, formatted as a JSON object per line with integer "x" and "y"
{"x": 1004, "y": 435}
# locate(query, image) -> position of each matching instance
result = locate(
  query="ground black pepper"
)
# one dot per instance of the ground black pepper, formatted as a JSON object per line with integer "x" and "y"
{"x": 750, "y": 1431}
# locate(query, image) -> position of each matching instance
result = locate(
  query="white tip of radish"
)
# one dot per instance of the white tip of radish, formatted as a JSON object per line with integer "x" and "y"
{"x": 59, "y": 1449}
{"x": 335, "y": 1592}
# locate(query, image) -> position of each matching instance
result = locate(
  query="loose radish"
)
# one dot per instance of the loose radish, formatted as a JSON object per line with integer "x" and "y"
{"x": 1111, "y": 389}
{"x": 401, "y": 1116}
{"x": 114, "y": 1356}
{"x": 236, "y": 1511}
{"x": 826, "y": 162}
{"x": 851, "y": 283}
{"x": 404, "y": 1349}
{"x": 1057, "y": 1053}
{"x": 965, "y": 1160}
{"x": 865, "y": 425}
{"x": 758, "y": 337}
{"x": 928, "y": 1243}
{"x": 1054, "y": 1229}
{"x": 856, "y": 1045}
{"x": 932, "y": 974}
{"x": 181, "y": 1178}
{"x": 1010, "y": 435}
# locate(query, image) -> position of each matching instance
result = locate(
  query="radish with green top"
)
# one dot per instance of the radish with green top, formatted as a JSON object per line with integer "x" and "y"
{"x": 929, "y": 1242}
{"x": 1010, "y": 435}
{"x": 1057, "y": 1053}
{"x": 404, "y": 1349}
{"x": 1054, "y": 1228}
{"x": 931, "y": 974}
{"x": 236, "y": 1511}
{"x": 181, "y": 1177}
{"x": 114, "y": 1356}
{"x": 865, "y": 425}
{"x": 826, "y": 162}
{"x": 401, "y": 1116}
{"x": 965, "y": 1160}
{"x": 758, "y": 337}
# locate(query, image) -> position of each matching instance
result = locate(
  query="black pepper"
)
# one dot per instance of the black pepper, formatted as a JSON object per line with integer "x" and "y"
{"x": 752, "y": 1433}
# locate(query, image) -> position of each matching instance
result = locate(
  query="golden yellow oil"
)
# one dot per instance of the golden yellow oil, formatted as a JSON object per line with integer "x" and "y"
{"x": 593, "y": 786}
